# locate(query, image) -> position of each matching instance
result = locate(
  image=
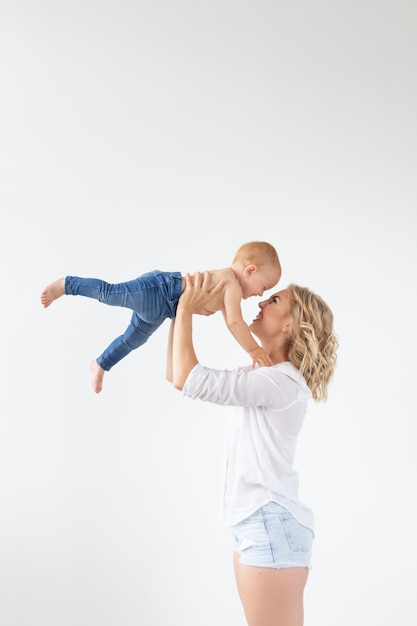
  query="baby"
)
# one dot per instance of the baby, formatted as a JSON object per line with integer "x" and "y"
{"x": 153, "y": 297}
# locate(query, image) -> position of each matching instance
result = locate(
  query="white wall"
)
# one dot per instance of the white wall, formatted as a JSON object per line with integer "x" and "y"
{"x": 137, "y": 135}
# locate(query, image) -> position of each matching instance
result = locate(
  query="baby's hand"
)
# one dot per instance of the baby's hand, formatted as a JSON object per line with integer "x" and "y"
{"x": 260, "y": 357}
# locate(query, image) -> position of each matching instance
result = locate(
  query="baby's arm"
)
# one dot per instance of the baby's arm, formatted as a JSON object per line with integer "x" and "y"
{"x": 232, "y": 314}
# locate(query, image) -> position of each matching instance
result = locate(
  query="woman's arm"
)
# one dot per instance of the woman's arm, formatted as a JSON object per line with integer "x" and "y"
{"x": 169, "y": 374}
{"x": 181, "y": 355}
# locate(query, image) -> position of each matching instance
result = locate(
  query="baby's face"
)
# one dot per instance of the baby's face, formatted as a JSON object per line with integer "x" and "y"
{"x": 260, "y": 280}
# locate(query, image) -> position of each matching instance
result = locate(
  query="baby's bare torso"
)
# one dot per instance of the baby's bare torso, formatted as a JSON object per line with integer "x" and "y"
{"x": 216, "y": 303}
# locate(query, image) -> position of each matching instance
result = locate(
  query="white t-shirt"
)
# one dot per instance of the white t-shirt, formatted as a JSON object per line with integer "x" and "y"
{"x": 268, "y": 406}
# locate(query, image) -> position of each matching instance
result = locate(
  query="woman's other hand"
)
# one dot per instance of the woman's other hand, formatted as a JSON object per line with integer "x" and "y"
{"x": 196, "y": 295}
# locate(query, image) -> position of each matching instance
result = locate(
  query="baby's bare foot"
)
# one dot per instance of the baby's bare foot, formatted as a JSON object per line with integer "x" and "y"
{"x": 97, "y": 373}
{"x": 52, "y": 292}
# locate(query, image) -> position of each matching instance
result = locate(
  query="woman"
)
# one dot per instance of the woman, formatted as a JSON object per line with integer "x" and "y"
{"x": 272, "y": 530}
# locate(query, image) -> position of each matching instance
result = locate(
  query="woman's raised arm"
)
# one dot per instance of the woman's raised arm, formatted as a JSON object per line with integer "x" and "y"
{"x": 181, "y": 357}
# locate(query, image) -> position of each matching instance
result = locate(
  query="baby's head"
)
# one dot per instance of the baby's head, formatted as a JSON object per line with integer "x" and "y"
{"x": 257, "y": 268}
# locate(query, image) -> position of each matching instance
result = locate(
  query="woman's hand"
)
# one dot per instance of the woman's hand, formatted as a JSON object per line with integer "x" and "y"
{"x": 196, "y": 294}
{"x": 181, "y": 357}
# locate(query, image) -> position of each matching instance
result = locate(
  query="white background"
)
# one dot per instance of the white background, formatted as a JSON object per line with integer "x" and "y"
{"x": 163, "y": 134}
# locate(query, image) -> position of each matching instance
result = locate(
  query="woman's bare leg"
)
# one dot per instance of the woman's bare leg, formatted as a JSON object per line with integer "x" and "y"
{"x": 52, "y": 292}
{"x": 97, "y": 375}
{"x": 271, "y": 597}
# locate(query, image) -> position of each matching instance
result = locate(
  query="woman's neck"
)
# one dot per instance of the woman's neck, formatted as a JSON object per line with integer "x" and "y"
{"x": 278, "y": 354}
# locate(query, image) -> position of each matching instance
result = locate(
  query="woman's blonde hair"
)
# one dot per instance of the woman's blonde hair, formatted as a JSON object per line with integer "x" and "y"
{"x": 313, "y": 344}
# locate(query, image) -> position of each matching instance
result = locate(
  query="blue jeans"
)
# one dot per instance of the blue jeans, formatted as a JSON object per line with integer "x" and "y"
{"x": 153, "y": 297}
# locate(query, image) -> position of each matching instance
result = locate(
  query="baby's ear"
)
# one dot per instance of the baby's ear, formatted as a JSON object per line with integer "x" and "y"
{"x": 249, "y": 270}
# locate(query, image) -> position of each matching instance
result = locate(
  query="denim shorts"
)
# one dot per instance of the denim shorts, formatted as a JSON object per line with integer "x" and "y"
{"x": 272, "y": 537}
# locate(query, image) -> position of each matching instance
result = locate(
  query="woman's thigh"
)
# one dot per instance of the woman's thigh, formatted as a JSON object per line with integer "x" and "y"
{"x": 271, "y": 597}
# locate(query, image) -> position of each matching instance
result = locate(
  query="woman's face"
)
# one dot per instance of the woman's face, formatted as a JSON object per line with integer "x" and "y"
{"x": 274, "y": 316}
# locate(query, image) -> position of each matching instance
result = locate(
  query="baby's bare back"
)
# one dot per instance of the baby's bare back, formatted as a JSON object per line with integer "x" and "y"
{"x": 216, "y": 303}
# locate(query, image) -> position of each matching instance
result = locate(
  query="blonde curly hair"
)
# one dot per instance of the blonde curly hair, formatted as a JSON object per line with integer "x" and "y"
{"x": 313, "y": 344}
